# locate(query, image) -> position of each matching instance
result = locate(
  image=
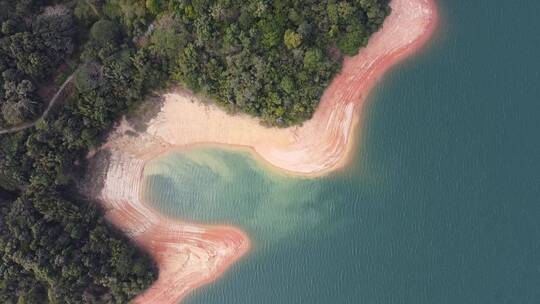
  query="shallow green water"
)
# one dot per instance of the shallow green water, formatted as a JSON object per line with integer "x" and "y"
{"x": 441, "y": 203}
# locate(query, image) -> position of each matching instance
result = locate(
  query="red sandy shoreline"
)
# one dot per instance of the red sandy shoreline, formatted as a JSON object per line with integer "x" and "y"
{"x": 322, "y": 144}
{"x": 189, "y": 254}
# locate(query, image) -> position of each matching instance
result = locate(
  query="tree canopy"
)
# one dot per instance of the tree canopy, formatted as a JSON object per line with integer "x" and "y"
{"x": 55, "y": 246}
{"x": 271, "y": 59}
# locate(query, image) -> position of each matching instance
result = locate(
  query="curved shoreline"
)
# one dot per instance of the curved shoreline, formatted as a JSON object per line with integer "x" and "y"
{"x": 322, "y": 144}
{"x": 190, "y": 254}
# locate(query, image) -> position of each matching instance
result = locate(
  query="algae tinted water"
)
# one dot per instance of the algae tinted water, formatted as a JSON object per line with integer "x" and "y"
{"x": 440, "y": 205}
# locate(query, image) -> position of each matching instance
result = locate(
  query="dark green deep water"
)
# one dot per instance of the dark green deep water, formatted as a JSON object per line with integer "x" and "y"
{"x": 440, "y": 205}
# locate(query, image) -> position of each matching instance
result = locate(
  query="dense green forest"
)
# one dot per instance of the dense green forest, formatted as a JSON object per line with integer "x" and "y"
{"x": 29, "y": 52}
{"x": 55, "y": 247}
{"x": 270, "y": 59}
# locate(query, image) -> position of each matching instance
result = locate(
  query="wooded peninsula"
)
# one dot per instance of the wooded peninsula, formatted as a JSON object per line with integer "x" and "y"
{"x": 270, "y": 59}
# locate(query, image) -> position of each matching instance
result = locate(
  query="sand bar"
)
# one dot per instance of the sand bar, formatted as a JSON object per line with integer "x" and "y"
{"x": 190, "y": 254}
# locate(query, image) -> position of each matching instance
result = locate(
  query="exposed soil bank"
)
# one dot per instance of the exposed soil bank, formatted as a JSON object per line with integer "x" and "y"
{"x": 323, "y": 143}
{"x": 190, "y": 255}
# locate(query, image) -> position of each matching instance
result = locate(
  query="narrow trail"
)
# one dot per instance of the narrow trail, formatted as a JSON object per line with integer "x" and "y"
{"x": 52, "y": 102}
{"x": 93, "y": 7}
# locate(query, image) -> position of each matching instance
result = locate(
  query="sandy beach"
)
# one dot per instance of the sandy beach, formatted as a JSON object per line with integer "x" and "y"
{"x": 191, "y": 254}
{"x": 322, "y": 144}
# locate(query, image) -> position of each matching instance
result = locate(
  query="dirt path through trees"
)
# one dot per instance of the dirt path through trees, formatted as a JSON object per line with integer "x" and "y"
{"x": 52, "y": 102}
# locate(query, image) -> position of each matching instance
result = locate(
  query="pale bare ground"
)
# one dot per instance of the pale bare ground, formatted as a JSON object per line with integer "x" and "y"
{"x": 190, "y": 254}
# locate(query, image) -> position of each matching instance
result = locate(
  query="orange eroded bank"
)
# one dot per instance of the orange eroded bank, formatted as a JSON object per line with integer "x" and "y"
{"x": 323, "y": 143}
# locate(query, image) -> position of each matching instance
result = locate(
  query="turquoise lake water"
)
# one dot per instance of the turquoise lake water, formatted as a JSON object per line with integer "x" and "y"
{"x": 440, "y": 205}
